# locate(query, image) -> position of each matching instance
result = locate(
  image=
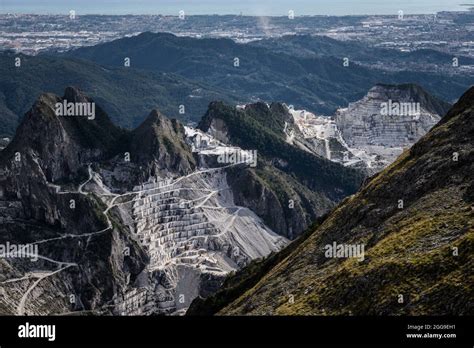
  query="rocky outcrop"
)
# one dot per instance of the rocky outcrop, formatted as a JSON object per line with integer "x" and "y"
{"x": 63, "y": 143}
{"x": 161, "y": 141}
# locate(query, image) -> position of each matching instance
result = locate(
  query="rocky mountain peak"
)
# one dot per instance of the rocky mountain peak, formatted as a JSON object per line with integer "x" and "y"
{"x": 409, "y": 92}
{"x": 74, "y": 94}
{"x": 257, "y": 107}
{"x": 63, "y": 133}
{"x": 162, "y": 141}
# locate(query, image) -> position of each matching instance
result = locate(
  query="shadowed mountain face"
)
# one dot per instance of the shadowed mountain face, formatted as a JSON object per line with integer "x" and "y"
{"x": 317, "y": 81}
{"x": 160, "y": 139}
{"x": 141, "y": 216}
{"x": 78, "y": 248}
{"x": 63, "y": 144}
{"x": 407, "y": 240}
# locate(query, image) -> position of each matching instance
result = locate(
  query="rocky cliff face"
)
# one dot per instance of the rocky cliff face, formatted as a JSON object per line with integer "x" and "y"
{"x": 370, "y": 133}
{"x": 402, "y": 245}
{"x": 389, "y": 116}
{"x": 80, "y": 264}
{"x": 161, "y": 141}
{"x": 120, "y": 222}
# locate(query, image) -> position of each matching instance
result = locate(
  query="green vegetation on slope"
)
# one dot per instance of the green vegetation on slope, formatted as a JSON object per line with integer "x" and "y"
{"x": 127, "y": 95}
{"x": 317, "y": 81}
{"x": 260, "y": 127}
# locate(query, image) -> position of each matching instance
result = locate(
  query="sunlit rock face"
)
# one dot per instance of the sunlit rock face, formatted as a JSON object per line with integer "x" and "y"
{"x": 386, "y": 116}
{"x": 372, "y": 132}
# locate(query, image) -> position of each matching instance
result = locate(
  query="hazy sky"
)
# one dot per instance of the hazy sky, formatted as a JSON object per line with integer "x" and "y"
{"x": 247, "y": 7}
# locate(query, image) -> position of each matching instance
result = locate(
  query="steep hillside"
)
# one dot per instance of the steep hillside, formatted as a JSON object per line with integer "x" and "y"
{"x": 415, "y": 221}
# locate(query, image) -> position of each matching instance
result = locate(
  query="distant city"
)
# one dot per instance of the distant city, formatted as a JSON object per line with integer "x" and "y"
{"x": 35, "y": 33}
{"x": 447, "y": 32}
{"x": 232, "y": 7}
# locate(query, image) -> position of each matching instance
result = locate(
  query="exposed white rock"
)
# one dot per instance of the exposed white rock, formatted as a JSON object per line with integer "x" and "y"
{"x": 192, "y": 231}
{"x": 369, "y": 133}
{"x": 384, "y": 117}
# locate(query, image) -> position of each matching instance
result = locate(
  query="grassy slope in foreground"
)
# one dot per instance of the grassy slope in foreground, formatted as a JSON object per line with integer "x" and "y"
{"x": 408, "y": 251}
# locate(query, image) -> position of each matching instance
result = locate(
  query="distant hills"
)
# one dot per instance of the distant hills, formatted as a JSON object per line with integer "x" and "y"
{"x": 322, "y": 46}
{"x": 170, "y": 72}
{"x": 275, "y": 69}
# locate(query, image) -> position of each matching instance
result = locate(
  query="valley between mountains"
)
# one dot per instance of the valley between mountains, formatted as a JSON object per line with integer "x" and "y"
{"x": 229, "y": 215}
{"x": 144, "y": 221}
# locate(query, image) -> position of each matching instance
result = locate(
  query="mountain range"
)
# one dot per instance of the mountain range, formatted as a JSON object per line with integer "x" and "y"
{"x": 182, "y": 75}
{"x": 151, "y": 216}
{"x": 203, "y": 176}
{"x": 319, "y": 82}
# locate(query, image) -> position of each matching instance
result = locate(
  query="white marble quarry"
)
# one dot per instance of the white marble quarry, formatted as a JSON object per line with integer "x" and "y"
{"x": 313, "y": 126}
{"x": 133, "y": 302}
{"x": 380, "y": 119}
{"x": 369, "y": 133}
{"x": 192, "y": 230}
